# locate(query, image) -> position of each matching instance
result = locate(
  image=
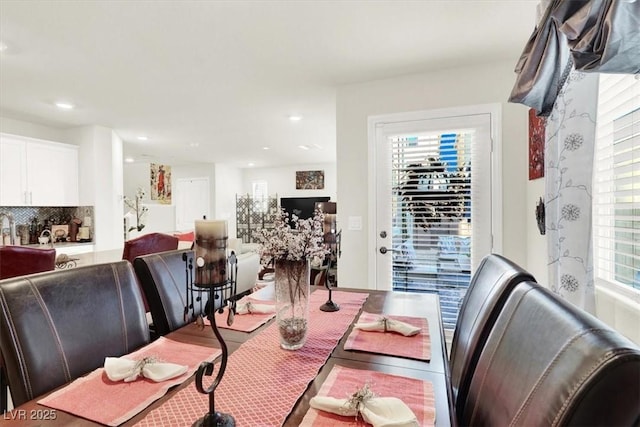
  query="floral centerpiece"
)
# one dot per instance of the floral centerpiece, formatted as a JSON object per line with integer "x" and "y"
{"x": 290, "y": 247}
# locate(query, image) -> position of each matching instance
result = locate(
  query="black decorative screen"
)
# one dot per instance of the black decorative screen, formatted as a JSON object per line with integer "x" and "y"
{"x": 253, "y": 215}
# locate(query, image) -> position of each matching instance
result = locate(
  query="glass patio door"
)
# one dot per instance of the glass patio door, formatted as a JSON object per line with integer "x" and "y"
{"x": 433, "y": 216}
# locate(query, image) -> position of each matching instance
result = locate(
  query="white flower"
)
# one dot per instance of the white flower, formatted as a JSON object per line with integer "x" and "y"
{"x": 295, "y": 240}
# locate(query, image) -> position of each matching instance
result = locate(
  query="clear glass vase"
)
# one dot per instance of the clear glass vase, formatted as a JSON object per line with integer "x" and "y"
{"x": 292, "y": 302}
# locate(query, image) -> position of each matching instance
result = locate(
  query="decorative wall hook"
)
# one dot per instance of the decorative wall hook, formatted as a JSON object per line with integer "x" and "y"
{"x": 540, "y": 216}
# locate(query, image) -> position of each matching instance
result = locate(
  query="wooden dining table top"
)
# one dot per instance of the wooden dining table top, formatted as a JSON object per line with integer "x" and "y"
{"x": 380, "y": 302}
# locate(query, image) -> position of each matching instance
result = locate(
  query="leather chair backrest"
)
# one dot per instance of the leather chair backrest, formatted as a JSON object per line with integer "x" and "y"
{"x": 488, "y": 290}
{"x": 58, "y": 326}
{"x": 21, "y": 260}
{"x": 548, "y": 363}
{"x": 148, "y": 244}
{"x": 163, "y": 279}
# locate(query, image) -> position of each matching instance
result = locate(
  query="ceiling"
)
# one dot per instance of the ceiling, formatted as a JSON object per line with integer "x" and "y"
{"x": 216, "y": 81}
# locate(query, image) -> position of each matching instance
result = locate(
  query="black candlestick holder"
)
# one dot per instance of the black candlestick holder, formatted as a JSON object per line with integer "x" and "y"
{"x": 332, "y": 240}
{"x": 329, "y": 305}
{"x": 224, "y": 291}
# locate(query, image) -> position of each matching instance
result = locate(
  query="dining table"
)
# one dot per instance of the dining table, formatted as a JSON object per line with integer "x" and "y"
{"x": 434, "y": 370}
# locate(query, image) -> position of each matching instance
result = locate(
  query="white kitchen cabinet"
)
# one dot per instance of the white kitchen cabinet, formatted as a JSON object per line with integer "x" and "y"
{"x": 13, "y": 172}
{"x": 37, "y": 173}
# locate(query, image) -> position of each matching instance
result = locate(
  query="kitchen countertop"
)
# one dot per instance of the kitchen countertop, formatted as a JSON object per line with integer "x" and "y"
{"x": 77, "y": 259}
{"x": 60, "y": 245}
{"x": 67, "y": 248}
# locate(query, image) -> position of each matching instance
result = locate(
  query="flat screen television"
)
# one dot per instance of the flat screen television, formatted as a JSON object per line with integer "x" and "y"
{"x": 301, "y": 206}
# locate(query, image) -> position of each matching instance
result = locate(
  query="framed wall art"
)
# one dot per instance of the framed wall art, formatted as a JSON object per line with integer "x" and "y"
{"x": 161, "y": 183}
{"x": 309, "y": 180}
{"x": 536, "y": 145}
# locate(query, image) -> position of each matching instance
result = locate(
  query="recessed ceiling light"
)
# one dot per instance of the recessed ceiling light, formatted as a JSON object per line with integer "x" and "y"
{"x": 143, "y": 138}
{"x": 303, "y": 147}
{"x": 3, "y": 47}
{"x": 194, "y": 144}
{"x": 128, "y": 159}
{"x": 250, "y": 164}
{"x": 265, "y": 148}
{"x": 295, "y": 118}
{"x": 65, "y": 105}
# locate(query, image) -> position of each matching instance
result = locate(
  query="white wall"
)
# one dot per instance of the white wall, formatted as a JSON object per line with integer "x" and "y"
{"x": 536, "y": 242}
{"x": 160, "y": 218}
{"x": 282, "y": 180}
{"x": 484, "y": 84}
{"x": 101, "y": 186}
{"x": 228, "y": 183}
{"x": 136, "y": 175}
{"x": 197, "y": 170}
{"x": 19, "y": 127}
{"x": 225, "y": 182}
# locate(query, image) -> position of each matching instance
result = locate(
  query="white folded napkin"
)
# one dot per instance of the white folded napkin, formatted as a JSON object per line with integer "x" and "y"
{"x": 384, "y": 324}
{"x": 378, "y": 411}
{"x": 249, "y": 307}
{"x": 121, "y": 368}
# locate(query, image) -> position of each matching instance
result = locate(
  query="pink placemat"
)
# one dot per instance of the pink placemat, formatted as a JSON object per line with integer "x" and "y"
{"x": 263, "y": 382}
{"x": 99, "y": 399}
{"x": 342, "y": 382}
{"x": 242, "y": 322}
{"x": 414, "y": 347}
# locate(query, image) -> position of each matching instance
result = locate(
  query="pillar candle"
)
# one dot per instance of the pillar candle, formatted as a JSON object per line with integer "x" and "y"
{"x": 211, "y": 252}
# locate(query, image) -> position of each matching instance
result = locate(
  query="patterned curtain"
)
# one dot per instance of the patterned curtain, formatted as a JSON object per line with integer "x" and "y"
{"x": 569, "y": 148}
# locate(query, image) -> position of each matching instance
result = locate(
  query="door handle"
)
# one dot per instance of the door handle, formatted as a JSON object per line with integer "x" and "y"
{"x": 384, "y": 250}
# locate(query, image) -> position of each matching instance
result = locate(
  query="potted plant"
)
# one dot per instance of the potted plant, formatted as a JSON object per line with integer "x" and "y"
{"x": 139, "y": 209}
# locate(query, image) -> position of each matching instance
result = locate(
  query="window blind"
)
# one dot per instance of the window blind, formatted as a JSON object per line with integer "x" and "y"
{"x": 617, "y": 181}
{"x": 431, "y": 216}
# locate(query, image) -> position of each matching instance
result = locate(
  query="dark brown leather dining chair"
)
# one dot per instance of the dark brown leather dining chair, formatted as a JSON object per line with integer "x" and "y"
{"x": 148, "y": 244}
{"x": 57, "y": 326}
{"x": 19, "y": 261}
{"x": 549, "y": 363}
{"x": 163, "y": 279}
{"x": 488, "y": 290}
{"x": 22, "y": 260}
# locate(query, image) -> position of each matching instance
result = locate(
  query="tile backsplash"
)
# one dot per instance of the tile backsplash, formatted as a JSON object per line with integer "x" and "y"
{"x": 24, "y": 215}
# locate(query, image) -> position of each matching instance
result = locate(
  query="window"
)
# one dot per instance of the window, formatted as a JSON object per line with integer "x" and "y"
{"x": 616, "y": 199}
{"x": 260, "y": 196}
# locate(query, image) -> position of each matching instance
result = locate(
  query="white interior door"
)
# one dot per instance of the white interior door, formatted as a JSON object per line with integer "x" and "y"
{"x": 425, "y": 231}
{"x": 192, "y": 202}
